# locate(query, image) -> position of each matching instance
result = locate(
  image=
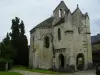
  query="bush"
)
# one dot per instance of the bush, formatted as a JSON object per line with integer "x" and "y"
{"x": 5, "y": 64}
{"x": 2, "y": 64}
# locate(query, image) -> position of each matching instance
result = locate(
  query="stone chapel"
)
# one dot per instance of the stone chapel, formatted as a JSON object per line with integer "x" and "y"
{"x": 62, "y": 40}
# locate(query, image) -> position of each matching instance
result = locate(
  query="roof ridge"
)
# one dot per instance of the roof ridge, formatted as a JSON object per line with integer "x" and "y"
{"x": 77, "y": 8}
{"x": 59, "y": 4}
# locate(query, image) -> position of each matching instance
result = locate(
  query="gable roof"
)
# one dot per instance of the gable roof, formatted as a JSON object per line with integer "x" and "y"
{"x": 46, "y": 23}
{"x": 61, "y": 3}
{"x": 77, "y": 9}
{"x": 62, "y": 20}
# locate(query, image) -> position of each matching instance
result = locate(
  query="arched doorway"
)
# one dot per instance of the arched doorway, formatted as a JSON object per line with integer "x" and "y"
{"x": 61, "y": 60}
{"x": 80, "y": 61}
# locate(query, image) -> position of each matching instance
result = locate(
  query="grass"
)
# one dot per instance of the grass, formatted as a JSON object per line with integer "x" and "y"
{"x": 35, "y": 70}
{"x": 10, "y": 73}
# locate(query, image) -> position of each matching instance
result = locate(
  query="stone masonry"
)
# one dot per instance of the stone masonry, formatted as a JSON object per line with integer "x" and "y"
{"x": 62, "y": 40}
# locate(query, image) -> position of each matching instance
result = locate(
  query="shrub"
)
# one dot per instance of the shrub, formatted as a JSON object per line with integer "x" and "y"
{"x": 3, "y": 63}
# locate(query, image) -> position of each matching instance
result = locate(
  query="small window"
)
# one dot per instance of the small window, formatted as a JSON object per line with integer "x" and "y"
{"x": 60, "y": 13}
{"x": 33, "y": 41}
{"x": 79, "y": 30}
{"x": 46, "y": 42}
{"x": 59, "y": 34}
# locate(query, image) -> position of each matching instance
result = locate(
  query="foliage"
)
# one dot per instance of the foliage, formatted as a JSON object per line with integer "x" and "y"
{"x": 10, "y": 73}
{"x": 19, "y": 41}
{"x": 14, "y": 47}
{"x": 22, "y": 30}
{"x": 7, "y": 52}
{"x": 6, "y": 60}
{"x": 2, "y": 60}
{"x": 3, "y": 65}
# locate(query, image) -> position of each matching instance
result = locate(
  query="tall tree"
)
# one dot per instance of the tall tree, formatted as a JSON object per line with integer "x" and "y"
{"x": 15, "y": 28}
{"x": 19, "y": 41}
{"x": 15, "y": 37}
{"x": 24, "y": 44}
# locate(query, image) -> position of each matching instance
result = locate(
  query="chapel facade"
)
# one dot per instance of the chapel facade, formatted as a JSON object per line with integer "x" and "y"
{"x": 61, "y": 41}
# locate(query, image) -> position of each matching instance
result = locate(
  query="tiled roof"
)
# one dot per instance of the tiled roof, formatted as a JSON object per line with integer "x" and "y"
{"x": 46, "y": 23}
{"x": 62, "y": 20}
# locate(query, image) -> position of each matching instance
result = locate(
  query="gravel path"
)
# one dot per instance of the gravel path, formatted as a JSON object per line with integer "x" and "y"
{"x": 34, "y": 73}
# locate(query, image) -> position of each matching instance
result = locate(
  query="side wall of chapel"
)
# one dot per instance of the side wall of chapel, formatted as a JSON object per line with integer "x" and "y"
{"x": 40, "y": 56}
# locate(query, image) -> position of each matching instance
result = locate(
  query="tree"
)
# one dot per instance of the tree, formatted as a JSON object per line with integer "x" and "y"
{"x": 15, "y": 28}
{"x": 15, "y": 36}
{"x": 7, "y": 50}
{"x": 19, "y": 41}
{"x": 22, "y": 28}
{"x": 23, "y": 44}
{"x": 7, "y": 39}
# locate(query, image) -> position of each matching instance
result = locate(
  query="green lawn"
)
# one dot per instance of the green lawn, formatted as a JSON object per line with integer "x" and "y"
{"x": 10, "y": 73}
{"x": 35, "y": 70}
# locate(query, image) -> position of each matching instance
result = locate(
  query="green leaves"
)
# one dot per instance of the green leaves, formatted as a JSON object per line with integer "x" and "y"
{"x": 15, "y": 45}
{"x": 7, "y": 51}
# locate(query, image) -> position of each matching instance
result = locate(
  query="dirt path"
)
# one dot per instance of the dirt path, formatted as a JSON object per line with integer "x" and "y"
{"x": 91, "y": 72}
{"x": 34, "y": 73}
{"x": 29, "y": 73}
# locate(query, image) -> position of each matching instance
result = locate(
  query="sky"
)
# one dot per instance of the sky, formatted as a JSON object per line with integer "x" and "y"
{"x": 32, "y": 12}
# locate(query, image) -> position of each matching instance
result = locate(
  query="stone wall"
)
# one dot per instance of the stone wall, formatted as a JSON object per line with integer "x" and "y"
{"x": 75, "y": 39}
{"x": 39, "y": 55}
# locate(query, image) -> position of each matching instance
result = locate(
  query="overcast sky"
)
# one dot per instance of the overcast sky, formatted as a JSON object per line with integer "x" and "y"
{"x": 33, "y": 12}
